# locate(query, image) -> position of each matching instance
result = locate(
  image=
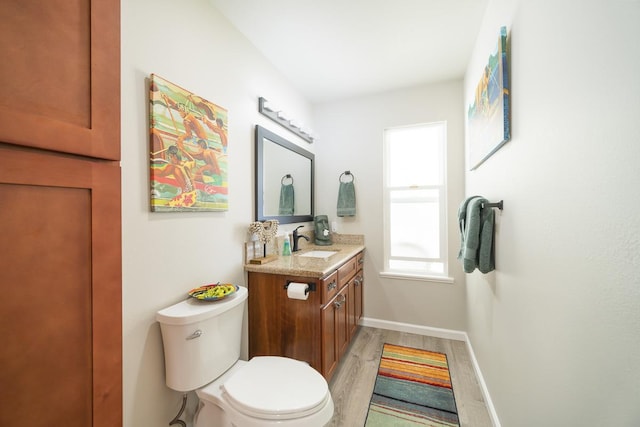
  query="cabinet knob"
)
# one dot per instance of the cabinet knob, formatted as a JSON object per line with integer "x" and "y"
{"x": 332, "y": 285}
{"x": 338, "y": 304}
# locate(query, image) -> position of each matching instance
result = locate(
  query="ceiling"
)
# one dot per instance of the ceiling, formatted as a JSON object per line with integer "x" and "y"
{"x": 333, "y": 49}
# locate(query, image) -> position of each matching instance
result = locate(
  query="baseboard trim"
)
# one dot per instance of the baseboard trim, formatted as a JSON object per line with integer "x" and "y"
{"x": 450, "y": 334}
{"x": 415, "y": 329}
{"x": 483, "y": 386}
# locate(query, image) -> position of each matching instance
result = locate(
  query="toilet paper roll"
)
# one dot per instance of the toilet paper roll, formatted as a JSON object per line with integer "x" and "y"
{"x": 297, "y": 290}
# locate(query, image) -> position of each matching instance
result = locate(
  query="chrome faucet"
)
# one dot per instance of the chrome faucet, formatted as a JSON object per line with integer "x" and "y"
{"x": 297, "y": 237}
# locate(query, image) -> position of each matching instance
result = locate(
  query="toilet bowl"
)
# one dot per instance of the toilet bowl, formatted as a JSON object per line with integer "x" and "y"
{"x": 201, "y": 343}
{"x": 266, "y": 391}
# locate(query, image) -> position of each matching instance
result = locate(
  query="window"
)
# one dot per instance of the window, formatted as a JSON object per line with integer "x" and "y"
{"x": 415, "y": 201}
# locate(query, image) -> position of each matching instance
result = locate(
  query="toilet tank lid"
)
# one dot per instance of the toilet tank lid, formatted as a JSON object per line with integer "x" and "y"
{"x": 192, "y": 310}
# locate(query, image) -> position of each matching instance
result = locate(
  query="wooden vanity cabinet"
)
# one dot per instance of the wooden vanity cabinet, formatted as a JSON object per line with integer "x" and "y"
{"x": 317, "y": 330}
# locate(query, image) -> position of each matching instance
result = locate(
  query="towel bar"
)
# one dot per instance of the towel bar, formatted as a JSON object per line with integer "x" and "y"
{"x": 498, "y": 205}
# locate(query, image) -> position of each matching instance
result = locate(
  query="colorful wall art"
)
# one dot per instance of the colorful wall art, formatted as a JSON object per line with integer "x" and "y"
{"x": 188, "y": 150}
{"x": 488, "y": 117}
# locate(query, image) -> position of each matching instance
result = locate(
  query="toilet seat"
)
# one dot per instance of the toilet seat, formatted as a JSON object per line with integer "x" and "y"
{"x": 273, "y": 387}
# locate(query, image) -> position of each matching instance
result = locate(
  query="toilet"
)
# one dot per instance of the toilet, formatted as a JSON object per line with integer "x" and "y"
{"x": 202, "y": 342}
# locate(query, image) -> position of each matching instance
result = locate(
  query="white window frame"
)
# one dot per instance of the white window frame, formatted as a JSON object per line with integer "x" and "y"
{"x": 442, "y": 194}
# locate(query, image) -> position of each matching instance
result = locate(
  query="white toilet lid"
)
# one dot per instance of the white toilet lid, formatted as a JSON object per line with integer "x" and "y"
{"x": 273, "y": 387}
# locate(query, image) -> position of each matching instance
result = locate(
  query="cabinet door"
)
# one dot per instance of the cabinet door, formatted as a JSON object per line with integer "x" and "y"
{"x": 335, "y": 333}
{"x": 359, "y": 287}
{"x": 60, "y": 296}
{"x": 60, "y": 74}
{"x": 358, "y": 283}
{"x": 341, "y": 304}
{"x": 329, "y": 350}
{"x": 351, "y": 308}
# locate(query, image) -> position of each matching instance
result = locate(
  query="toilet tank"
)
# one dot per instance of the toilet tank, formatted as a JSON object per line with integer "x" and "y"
{"x": 201, "y": 339}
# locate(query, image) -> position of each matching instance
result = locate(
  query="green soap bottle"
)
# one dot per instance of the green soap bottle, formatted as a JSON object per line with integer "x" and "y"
{"x": 286, "y": 248}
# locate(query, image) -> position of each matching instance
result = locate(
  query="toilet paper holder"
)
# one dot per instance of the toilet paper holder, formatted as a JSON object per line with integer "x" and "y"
{"x": 312, "y": 286}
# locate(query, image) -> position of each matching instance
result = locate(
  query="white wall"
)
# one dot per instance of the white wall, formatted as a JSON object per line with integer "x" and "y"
{"x": 555, "y": 327}
{"x": 350, "y": 138}
{"x": 166, "y": 254}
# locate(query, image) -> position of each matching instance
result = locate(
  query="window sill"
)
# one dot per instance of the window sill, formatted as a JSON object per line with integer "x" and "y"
{"x": 418, "y": 277}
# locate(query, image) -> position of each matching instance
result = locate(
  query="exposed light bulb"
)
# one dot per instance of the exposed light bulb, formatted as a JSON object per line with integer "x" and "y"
{"x": 268, "y": 106}
{"x": 282, "y": 115}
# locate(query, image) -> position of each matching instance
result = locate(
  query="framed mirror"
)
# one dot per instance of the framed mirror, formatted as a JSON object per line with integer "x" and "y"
{"x": 284, "y": 179}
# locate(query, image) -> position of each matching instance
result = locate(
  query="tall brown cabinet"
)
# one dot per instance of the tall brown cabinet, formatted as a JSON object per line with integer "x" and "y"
{"x": 60, "y": 220}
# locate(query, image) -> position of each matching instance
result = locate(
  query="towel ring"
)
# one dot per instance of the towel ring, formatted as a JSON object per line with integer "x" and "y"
{"x": 287, "y": 176}
{"x": 348, "y": 173}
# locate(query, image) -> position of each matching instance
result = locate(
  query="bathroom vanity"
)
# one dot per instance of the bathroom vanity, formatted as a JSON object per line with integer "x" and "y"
{"x": 319, "y": 329}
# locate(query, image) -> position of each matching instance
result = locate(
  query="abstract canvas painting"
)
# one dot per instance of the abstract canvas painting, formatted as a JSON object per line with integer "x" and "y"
{"x": 488, "y": 116}
{"x": 188, "y": 150}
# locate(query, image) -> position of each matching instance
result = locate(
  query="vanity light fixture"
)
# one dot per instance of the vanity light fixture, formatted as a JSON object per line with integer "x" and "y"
{"x": 269, "y": 110}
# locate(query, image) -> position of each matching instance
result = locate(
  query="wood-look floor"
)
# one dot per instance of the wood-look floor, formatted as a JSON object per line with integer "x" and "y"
{"x": 353, "y": 381}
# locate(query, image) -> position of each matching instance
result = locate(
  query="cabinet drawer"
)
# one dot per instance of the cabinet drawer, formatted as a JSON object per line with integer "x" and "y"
{"x": 329, "y": 287}
{"x": 346, "y": 272}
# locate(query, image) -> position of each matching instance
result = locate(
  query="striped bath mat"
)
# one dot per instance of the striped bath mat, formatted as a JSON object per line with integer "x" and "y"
{"x": 413, "y": 387}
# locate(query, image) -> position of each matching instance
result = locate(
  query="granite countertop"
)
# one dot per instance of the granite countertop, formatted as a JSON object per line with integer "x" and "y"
{"x": 296, "y": 265}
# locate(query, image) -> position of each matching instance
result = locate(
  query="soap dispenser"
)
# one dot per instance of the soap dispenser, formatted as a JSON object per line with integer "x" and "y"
{"x": 286, "y": 246}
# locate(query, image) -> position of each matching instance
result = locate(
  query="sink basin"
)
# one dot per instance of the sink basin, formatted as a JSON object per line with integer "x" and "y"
{"x": 318, "y": 254}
